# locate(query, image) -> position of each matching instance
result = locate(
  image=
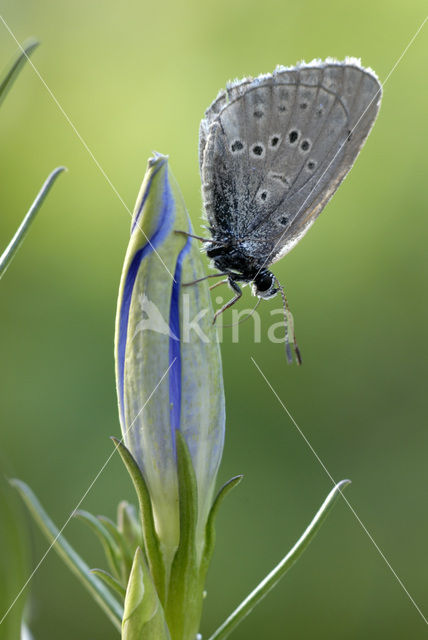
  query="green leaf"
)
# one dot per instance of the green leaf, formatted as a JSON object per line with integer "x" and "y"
{"x": 276, "y": 574}
{"x": 12, "y": 73}
{"x": 125, "y": 551}
{"x": 94, "y": 585}
{"x": 129, "y": 525}
{"x": 13, "y": 563}
{"x": 184, "y": 605}
{"x": 143, "y": 617}
{"x": 110, "y": 581}
{"x": 110, "y": 547}
{"x": 15, "y": 243}
{"x": 210, "y": 527}
{"x": 151, "y": 541}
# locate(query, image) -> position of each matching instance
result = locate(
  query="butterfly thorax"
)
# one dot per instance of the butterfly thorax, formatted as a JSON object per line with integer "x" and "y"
{"x": 229, "y": 257}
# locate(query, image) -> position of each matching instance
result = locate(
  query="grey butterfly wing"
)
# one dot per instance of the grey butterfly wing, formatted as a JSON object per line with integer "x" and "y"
{"x": 274, "y": 150}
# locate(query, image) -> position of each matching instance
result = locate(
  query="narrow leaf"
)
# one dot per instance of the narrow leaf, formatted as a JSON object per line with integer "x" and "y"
{"x": 95, "y": 586}
{"x": 151, "y": 541}
{"x": 110, "y": 581}
{"x": 210, "y": 527}
{"x": 110, "y": 547}
{"x": 19, "y": 236}
{"x": 276, "y": 574}
{"x": 125, "y": 551}
{"x": 129, "y": 525}
{"x": 184, "y": 604}
{"x": 10, "y": 76}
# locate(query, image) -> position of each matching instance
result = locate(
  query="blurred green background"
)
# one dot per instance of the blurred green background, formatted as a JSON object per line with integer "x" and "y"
{"x": 137, "y": 76}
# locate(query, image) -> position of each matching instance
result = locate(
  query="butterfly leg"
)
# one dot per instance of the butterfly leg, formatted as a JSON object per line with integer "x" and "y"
{"x": 210, "y": 275}
{"x": 238, "y": 294}
{"x": 217, "y": 284}
{"x": 190, "y": 235}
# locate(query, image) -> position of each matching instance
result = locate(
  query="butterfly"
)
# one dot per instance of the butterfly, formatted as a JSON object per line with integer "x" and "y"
{"x": 273, "y": 150}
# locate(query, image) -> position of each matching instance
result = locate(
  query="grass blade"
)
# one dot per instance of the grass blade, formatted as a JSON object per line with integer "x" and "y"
{"x": 276, "y": 574}
{"x": 17, "y": 239}
{"x": 10, "y": 76}
{"x": 94, "y": 585}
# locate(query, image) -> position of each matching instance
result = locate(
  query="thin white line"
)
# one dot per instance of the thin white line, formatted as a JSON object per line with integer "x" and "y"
{"x": 343, "y": 496}
{"x": 382, "y": 84}
{"x": 404, "y": 52}
{"x": 81, "y": 139}
{"x": 84, "y": 495}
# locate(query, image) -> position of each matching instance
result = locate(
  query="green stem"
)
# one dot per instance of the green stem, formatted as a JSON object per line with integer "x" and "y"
{"x": 17, "y": 239}
{"x": 276, "y": 574}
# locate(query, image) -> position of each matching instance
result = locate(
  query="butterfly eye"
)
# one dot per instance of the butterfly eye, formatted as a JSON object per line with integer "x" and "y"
{"x": 292, "y": 136}
{"x": 264, "y": 282}
{"x": 311, "y": 165}
{"x": 305, "y": 145}
{"x": 263, "y": 195}
{"x": 274, "y": 141}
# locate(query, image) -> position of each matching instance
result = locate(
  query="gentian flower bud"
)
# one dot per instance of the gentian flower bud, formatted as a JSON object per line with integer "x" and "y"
{"x": 168, "y": 365}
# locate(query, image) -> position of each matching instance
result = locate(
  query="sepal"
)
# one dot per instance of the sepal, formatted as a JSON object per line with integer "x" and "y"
{"x": 210, "y": 534}
{"x": 151, "y": 540}
{"x": 184, "y": 603}
{"x": 143, "y": 616}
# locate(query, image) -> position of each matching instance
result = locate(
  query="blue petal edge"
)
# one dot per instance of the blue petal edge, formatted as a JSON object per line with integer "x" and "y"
{"x": 137, "y": 215}
{"x": 165, "y": 224}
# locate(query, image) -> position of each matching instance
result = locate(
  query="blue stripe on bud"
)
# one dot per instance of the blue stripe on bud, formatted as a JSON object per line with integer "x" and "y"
{"x": 166, "y": 221}
{"x": 175, "y": 345}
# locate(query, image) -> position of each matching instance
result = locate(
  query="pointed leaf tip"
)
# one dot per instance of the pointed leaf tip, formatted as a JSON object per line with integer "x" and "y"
{"x": 22, "y": 230}
{"x": 9, "y": 77}
{"x": 143, "y": 615}
{"x": 210, "y": 534}
{"x": 151, "y": 540}
{"x": 110, "y": 547}
{"x": 110, "y": 581}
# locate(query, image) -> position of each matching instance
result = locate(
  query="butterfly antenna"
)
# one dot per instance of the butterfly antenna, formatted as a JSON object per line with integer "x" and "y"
{"x": 289, "y": 327}
{"x": 247, "y": 317}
